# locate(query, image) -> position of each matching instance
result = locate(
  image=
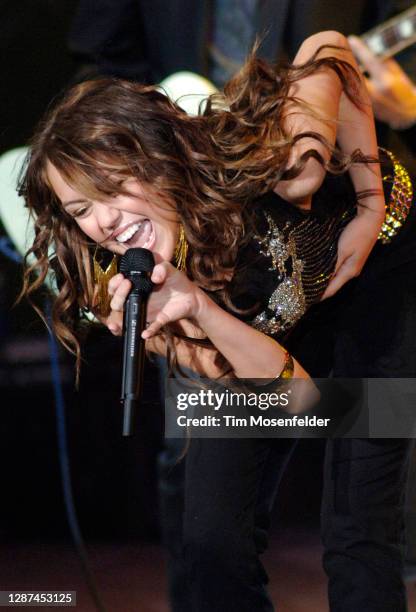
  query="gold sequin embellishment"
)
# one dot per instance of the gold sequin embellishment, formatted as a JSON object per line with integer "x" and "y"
{"x": 304, "y": 256}
{"x": 400, "y": 200}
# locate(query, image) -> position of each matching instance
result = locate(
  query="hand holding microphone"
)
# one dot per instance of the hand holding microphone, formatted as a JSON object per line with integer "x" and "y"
{"x": 174, "y": 297}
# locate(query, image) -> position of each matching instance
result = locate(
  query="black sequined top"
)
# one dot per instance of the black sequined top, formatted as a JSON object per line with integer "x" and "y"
{"x": 287, "y": 264}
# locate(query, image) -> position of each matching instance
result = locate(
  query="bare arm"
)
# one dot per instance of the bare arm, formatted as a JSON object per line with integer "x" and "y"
{"x": 250, "y": 353}
{"x": 337, "y": 119}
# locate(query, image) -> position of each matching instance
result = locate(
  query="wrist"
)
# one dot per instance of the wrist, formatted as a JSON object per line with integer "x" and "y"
{"x": 373, "y": 221}
{"x": 203, "y": 306}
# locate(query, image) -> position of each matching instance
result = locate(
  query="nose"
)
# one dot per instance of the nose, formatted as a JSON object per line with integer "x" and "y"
{"x": 107, "y": 216}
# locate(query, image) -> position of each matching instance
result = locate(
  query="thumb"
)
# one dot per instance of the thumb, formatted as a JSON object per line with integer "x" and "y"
{"x": 343, "y": 273}
{"x": 159, "y": 274}
{"x": 341, "y": 259}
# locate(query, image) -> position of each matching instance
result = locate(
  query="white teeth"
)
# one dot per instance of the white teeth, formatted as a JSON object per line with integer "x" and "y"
{"x": 148, "y": 242}
{"x": 128, "y": 233}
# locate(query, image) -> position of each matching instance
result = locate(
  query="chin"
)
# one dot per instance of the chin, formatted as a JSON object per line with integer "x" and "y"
{"x": 161, "y": 256}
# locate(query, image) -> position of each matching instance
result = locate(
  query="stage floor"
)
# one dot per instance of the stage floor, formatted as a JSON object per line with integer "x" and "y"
{"x": 131, "y": 576}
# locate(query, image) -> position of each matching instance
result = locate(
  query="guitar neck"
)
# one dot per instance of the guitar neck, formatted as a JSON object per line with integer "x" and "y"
{"x": 394, "y": 35}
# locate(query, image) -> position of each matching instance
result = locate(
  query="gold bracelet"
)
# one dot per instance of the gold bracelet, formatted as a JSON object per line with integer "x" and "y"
{"x": 288, "y": 367}
{"x": 286, "y": 372}
{"x": 400, "y": 201}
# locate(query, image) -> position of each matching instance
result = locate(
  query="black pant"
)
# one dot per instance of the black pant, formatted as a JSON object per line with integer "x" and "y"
{"x": 229, "y": 489}
{"x": 362, "y": 524}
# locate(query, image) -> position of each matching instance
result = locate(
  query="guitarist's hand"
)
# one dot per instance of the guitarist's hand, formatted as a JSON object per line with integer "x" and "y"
{"x": 392, "y": 92}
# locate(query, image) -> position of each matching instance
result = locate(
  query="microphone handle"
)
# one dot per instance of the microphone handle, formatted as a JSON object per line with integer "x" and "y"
{"x": 133, "y": 357}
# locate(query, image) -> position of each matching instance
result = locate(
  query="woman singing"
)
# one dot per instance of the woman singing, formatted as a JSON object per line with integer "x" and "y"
{"x": 259, "y": 208}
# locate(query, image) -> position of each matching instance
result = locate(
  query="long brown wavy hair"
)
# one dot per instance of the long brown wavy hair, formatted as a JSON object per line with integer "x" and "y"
{"x": 209, "y": 166}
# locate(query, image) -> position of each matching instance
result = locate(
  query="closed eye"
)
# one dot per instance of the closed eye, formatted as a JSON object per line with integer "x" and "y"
{"x": 79, "y": 213}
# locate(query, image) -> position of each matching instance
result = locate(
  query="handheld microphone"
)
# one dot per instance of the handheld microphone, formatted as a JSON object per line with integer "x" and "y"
{"x": 137, "y": 266}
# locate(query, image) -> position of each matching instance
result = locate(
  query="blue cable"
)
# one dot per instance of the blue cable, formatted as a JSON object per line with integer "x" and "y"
{"x": 7, "y": 248}
{"x": 64, "y": 464}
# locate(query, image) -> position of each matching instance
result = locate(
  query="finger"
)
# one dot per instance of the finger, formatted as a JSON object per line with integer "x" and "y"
{"x": 328, "y": 291}
{"x": 160, "y": 273}
{"x": 342, "y": 260}
{"x": 114, "y": 283}
{"x": 120, "y": 295}
{"x": 114, "y": 323}
{"x": 155, "y": 326}
{"x": 115, "y": 329}
{"x": 344, "y": 274}
{"x": 365, "y": 56}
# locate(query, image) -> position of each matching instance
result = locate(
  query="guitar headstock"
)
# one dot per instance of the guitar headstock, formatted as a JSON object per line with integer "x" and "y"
{"x": 393, "y": 35}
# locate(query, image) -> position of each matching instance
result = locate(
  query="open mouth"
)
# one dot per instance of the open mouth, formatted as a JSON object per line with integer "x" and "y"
{"x": 138, "y": 235}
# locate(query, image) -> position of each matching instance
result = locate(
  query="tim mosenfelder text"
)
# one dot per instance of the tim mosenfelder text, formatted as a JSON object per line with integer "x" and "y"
{"x": 229, "y": 420}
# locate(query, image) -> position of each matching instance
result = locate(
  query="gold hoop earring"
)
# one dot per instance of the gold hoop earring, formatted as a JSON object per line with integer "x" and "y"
{"x": 181, "y": 250}
{"x": 102, "y": 277}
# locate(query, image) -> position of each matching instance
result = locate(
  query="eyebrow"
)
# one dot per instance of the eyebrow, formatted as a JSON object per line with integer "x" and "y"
{"x": 82, "y": 201}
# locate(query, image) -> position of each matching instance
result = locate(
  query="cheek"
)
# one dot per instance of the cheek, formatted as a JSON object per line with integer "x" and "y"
{"x": 89, "y": 229}
{"x": 166, "y": 240}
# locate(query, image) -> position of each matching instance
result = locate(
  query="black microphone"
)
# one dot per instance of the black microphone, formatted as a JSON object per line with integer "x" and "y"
{"x": 137, "y": 266}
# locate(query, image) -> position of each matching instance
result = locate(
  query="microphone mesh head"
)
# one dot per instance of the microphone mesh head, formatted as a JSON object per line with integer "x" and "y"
{"x": 137, "y": 265}
{"x": 137, "y": 260}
